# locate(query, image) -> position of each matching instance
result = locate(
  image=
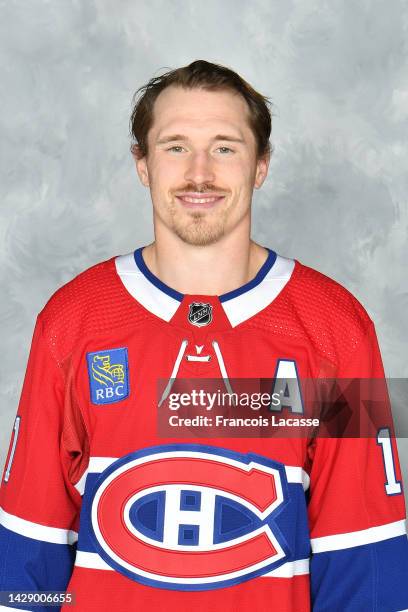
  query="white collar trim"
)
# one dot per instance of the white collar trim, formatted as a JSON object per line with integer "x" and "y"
{"x": 254, "y": 300}
{"x": 139, "y": 287}
{"x": 237, "y": 309}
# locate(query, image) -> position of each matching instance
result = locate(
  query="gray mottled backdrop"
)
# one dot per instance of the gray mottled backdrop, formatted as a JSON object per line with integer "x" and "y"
{"x": 336, "y": 197}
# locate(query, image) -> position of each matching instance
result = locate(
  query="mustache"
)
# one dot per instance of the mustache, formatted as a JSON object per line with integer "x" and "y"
{"x": 201, "y": 188}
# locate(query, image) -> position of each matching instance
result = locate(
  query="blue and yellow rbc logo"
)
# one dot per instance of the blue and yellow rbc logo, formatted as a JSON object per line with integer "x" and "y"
{"x": 108, "y": 375}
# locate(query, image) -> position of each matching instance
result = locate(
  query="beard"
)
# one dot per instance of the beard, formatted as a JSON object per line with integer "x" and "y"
{"x": 199, "y": 229}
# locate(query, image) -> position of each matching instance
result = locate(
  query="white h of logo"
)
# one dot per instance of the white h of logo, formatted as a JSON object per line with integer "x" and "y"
{"x": 174, "y": 517}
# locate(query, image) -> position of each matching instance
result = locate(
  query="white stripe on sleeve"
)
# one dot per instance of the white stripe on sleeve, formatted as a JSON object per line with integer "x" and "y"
{"x": 54, "y": 535}
{"x": 371, "y": 535}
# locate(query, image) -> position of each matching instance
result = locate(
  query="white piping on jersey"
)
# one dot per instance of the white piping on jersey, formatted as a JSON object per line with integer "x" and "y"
{"x": 336, "y": 542}
{"x": 289, "y": 569}
{"x": 340, "y": 541}
{"x": 96, "y": 465}
{"x": 80, "y": 485}
{"x": 297, "y": 475}
{"x": 54, "y": 535}
{"x": 294, "y": 474}
{"x": 177, "y": 363}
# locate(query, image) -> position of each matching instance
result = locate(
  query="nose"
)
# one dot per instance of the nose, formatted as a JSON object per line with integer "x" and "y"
{"x": 200, "y": 168}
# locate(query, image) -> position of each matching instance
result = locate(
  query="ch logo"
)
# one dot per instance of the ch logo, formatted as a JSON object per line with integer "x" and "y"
{"x": 189, "y": 516}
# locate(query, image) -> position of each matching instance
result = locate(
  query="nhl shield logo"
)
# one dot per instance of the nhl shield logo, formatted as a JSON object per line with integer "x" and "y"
{"x": 200, "y": 314}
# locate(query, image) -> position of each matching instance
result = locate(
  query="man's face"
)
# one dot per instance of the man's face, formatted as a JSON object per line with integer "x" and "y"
{"x": 202, "y": 164}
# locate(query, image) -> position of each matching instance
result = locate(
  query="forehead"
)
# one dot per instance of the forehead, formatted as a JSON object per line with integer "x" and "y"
{"x": 178, "y": 109}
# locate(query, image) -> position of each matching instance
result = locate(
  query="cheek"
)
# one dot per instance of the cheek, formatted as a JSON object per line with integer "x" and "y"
{"x": 241, "y": 171}
{"x": 166, "y": 174}
{"x": 243, "y": 184}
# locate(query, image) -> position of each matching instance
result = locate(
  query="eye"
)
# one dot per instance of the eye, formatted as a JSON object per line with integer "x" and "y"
{"x": 175, "y": 148}
{"x": 225, "y": 150}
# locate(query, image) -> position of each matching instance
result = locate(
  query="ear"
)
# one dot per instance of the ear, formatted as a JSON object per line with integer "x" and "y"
{"x": 141, "y": 164}
{"x": 262, "y": 166}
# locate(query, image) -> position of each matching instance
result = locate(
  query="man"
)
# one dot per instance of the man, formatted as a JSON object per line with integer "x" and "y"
{"x": 187, "y": 523}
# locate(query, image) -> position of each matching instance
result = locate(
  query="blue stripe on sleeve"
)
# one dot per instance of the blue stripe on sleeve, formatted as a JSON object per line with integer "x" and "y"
{"x": 369, "y": 577}
{"x": 32, "y": 565}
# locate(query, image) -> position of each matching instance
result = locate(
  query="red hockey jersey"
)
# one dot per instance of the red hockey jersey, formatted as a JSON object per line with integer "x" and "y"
{"x": 94, "y": 500}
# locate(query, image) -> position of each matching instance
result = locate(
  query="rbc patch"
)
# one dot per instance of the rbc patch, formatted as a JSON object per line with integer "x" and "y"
{"x": 108, "y": 375}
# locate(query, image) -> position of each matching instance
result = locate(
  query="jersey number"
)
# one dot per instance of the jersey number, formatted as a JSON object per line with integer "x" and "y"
{"x": 13, "y": 448}
{"x": 392, "y": 485}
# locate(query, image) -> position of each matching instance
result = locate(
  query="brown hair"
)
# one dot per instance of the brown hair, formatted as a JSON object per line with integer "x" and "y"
{"x": 205, "y": 75}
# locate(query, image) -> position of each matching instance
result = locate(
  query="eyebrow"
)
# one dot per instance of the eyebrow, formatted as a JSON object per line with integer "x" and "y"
{"x": 173, "y": 137}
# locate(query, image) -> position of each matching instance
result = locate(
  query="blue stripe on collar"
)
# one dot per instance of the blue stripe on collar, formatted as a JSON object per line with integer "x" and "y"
{"x": 153, "y": 279}
{"x": 262, "y": 272}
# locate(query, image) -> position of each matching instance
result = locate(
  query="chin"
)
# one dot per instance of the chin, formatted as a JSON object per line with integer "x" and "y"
{"x": 202, "y": 234}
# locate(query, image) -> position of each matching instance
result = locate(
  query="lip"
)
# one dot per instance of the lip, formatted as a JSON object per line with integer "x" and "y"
{"x": 194, "y": 199}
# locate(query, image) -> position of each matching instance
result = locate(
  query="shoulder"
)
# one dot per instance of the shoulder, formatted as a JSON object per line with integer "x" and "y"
{"x": 93, "y": 302}
{"x": 317, "y": 311}
{"x": 324, "y": 299}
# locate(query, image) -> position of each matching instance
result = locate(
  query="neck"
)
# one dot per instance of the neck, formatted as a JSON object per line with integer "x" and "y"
{"x": 210, "y": 270}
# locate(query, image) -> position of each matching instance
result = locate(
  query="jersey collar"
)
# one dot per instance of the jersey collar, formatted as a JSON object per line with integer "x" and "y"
{"x": 239, "y": 304}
